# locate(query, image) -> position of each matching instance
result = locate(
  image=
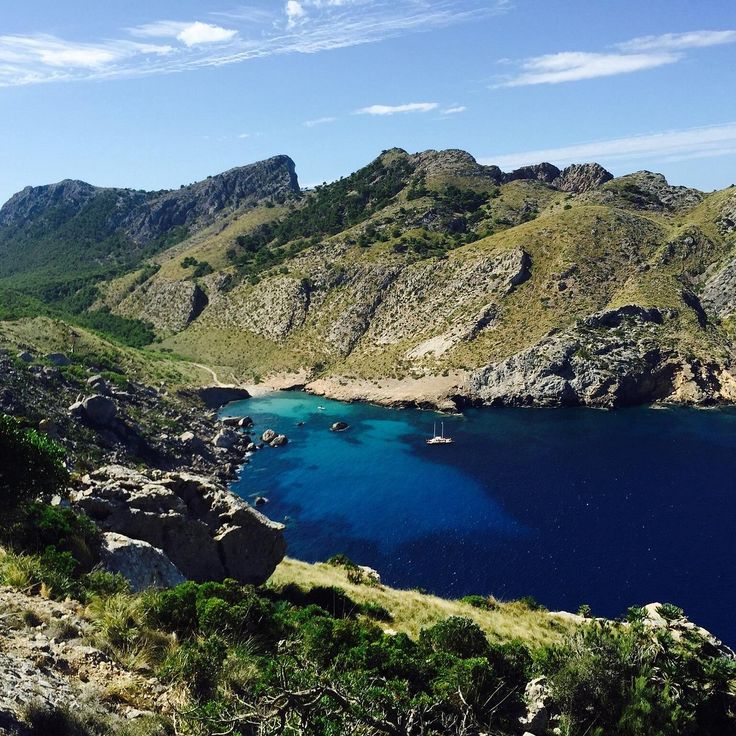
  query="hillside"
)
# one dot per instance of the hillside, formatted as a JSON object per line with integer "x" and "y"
{"x": 423, "y": 279}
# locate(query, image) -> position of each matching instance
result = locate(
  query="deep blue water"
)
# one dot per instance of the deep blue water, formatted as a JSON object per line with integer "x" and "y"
{"x": 570, "y": 506}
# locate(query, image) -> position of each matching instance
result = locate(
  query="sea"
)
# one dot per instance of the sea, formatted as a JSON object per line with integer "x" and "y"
{"x": 570, "y": 506}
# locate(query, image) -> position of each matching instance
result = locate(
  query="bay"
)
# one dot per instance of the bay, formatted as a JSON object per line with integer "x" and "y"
{"x": 570, "y": 506}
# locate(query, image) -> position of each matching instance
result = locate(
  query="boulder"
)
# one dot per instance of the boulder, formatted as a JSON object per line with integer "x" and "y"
{"x": 98, "y": 384}
{"x": 141, "y": 564}
{"x": 226, "y": 438}
{"x": 245, "y": 422}
{"x": 268, "y": 436}
{"x": 279, "y": 440}
{"x": 339, "y": 426}
{"x": 230, "y": 421}
{"x": 206, "y": 531}
{"x": 25, "y": 356}
{"x": 58, "y": 359}
{"x": 98, "y": 410}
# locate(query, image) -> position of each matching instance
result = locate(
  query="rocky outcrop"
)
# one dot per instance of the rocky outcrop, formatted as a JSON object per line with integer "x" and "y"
{"x": 579, "y": 178}
{"x": 199, "y": 203}
{"x": 214, "y": 397}
{"x": 167, "y": 305}
{"x": 593, "y": 364}
{"x": 141, "y": 564}
{"x": 719, "y": 292}
{"x": 207, "y": 532}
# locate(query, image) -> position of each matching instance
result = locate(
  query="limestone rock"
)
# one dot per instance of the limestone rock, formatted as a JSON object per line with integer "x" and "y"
{"x": 141, "y": 564}
{"x": 268, "y": 436}
{"x": 207, "y": 532}
{"x": 279, "y": 440}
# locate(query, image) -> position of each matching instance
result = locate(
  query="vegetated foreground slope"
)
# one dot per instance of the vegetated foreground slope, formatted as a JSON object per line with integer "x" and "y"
{"x": 431, "y": 279}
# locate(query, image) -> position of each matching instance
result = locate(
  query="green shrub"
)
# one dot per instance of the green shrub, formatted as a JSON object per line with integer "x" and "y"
{"x": 456, "y": 635}
{"x": 196, "y": 664}
{"x": 41, "y": 526}
{"x": 31, "y": 466}
{"x": 479, "y": 601}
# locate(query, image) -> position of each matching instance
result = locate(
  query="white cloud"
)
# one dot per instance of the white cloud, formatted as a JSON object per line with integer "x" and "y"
{"x": 679, "y": 41}
{"x": 319, "y": 121}
{"x": 454, "y": 110}
{"x": 571, "y": 66}
{"x": 244, "y": 135}
{"x": 645, "y": 52}
{"x": 198, "y": 33}
{"x": 190, "y": 34}
{"x": 669, "y": 145}
{"x": 395, "y": 109}
{"x": 295, "y": 13}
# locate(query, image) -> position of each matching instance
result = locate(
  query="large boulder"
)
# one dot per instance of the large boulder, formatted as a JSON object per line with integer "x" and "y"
{"x": 206, "y": 531}
{"x": 141, "y": 564}
{"x": 226, "y": 438}
{"x": 98, "y": 410}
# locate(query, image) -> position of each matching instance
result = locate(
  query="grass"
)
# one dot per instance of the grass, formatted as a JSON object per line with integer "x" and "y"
{"x": 413, "y": 611}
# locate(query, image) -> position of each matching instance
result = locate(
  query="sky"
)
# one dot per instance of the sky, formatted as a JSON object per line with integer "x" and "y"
{"x": 152, "y": 95}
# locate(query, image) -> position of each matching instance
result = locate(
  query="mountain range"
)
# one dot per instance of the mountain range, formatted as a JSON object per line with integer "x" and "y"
{"x": 421, "y": 279}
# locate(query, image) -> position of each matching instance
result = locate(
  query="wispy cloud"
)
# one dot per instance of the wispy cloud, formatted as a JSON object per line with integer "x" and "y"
{"x": 679, "y": 41}
{"x": 456, "y": 110}
{"x": 646, "y": 52}
{"x": 571, "y": 66}
{"x": 668, "y": 145}
{"x": 288, "y": 27}
{"x": 383, "y": 110}
{"x": 319, "y": 121}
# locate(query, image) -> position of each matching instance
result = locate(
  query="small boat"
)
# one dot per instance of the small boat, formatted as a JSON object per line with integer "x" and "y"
{"x": 320, "y": 408}
{"x": 439, "y": 439}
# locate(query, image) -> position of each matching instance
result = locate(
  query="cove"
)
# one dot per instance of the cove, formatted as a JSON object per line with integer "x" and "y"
{"x": 571, "y": 506}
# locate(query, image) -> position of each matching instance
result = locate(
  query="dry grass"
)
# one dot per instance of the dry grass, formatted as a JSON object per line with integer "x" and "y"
{"x": 413, "y": 611}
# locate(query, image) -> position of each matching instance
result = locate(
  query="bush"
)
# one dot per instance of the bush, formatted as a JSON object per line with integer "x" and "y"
{"x": 31, "y": 466}
{"x": 41, "y": 526}
{"x": 479, "y": 601}
{"x": 456, "y": 635}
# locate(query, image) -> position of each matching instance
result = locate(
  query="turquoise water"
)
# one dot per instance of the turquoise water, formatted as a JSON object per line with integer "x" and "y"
{"x": 570, "y": 506}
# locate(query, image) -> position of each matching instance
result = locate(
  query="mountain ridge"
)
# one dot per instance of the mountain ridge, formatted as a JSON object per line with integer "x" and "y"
{"x": 430, "y": 269}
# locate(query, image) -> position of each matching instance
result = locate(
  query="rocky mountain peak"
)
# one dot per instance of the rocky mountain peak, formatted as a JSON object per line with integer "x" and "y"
{"x": 30, "y": 202}
{"x": 544, "y": 172}
{"x": 579, "y": 178}
{"x": 452, "y": 162}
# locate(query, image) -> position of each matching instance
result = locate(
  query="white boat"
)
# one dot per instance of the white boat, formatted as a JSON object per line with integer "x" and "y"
{"x": 439, "y": 439}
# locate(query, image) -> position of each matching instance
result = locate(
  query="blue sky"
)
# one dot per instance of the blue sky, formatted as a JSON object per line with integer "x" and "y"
{"x": 153, "y": 95}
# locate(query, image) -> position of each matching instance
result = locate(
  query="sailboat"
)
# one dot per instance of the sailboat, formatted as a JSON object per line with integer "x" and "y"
{"x": 439, "y": 439}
